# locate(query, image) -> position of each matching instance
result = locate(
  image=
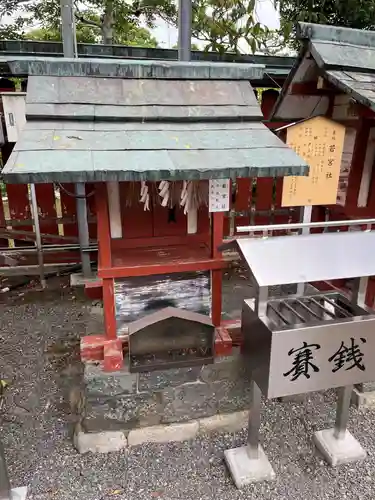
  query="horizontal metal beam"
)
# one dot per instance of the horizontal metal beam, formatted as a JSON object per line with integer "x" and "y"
{"x": 34, "y": 270}
{"x": 46, "y": 248}
{"x": 51, "y": 49}
{"x": 302, "y": 225}
{"x": 46, "y": 220}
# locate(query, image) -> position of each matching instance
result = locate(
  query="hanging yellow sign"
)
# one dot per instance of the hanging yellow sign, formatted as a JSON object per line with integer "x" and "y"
{"x": 319, "y": 141}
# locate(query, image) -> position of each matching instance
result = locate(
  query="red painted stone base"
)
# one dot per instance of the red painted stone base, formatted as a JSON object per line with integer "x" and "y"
{"x": 111, "y": 352}
{"x": 92, "y": 348}
{"x": 98, "y": 348}
{"x": 223, "y": 342}
{"x": 113, "y": 356}
{"x": 94, "y": 290}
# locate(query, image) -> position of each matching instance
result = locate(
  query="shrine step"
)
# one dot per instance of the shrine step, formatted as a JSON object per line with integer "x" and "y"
{"x": 111, "y": 441}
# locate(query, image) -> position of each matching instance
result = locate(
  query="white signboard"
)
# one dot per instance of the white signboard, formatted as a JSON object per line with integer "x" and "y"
{"x": 219, "y": 195}
{"x": 315, "y": 358}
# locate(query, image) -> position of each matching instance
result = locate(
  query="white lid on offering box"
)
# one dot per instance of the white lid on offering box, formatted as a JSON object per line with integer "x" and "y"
{"x": 282, "y": 260}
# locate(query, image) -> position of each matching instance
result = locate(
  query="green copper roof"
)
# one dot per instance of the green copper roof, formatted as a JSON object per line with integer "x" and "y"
{"x": 144, "y": 127}
{"x": 128, "y": 68}
{"x": 361, "y": 86}
{"x": 74, "y": 152}
{"x": 335, "y": 34}
{"x": 346, "y": 57}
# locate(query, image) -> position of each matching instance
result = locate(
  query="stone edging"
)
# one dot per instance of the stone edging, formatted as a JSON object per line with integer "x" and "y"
{"x": 363, "y": 399}
{"x": 111, "y": 441}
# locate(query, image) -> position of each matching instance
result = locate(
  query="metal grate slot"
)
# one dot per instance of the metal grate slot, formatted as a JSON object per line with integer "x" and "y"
{"x": 308, "y": 309}
{"x": 293, "y": 311}
{"x": 322, "y": 308}
{"x": 346, "y": 313}
{"x": 303, "y": 310}
{"x": 279, "y": 315}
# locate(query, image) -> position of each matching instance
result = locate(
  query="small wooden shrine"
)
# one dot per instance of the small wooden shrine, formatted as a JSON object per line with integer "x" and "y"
{"x": 334, "y": 77}
{"x": 161, "y": 144}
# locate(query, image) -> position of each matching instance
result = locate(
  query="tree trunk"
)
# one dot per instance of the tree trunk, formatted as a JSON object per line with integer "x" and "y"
{"x": 107, "y": 24}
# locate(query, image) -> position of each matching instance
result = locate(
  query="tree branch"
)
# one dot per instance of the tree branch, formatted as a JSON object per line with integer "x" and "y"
{"x": 88, "y": 22}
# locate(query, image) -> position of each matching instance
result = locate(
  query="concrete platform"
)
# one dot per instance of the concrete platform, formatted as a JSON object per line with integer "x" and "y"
{"x": 363, "y": 399}
{"x": 338, "y": 451}
{"x": 77, "y": 279}
{"x": 19, "y": 493}
{"x": 245, "y": 470}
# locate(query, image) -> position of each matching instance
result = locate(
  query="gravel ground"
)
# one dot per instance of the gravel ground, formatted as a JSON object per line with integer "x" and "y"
{"x": 39, "y": 357}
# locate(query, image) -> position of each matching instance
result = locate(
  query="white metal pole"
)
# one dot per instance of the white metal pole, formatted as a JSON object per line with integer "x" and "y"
{"x": 184, "y": 29}
{"x": 184, "y": 54}
{"x": 68, "y": 28}
{"x": 38, "y": 238}
{"x": 305, "y": 219}
{"x": 70, "y": 50}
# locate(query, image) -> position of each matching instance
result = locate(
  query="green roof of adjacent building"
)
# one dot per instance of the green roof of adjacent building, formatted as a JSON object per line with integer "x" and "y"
{"x": 344, "y": 56}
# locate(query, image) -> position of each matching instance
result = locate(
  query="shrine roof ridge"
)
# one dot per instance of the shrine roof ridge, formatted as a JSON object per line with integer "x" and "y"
{"x": 132, "y": 68}
{"x": 335, "y": 34}
{"x": 344, "y": 57}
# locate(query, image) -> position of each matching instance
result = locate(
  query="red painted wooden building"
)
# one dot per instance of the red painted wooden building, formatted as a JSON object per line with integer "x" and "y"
{"x": 160, "y": 143}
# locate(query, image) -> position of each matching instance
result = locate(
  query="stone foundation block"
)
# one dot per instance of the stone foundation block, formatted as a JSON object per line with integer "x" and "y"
{"x": 100, "y": 442}
{"x": 18, "y": 493}
{"x": 245, "y": 470}
{"x": 366, "y": 387}
{"x": 77, "y": 279}
{"x": 188, "y": 402}
{"x": 228, "y": 422}
{"x": 163, "y": 433}
{"x": 224, "y": 368}
{"x": 161, "y": 379}
{"x": 122, "y": 412}
{"x": 363, "y": 399}
{"x": 124, "y": 401}
{"x": 99, "y": 383}
{"x": 338, "y": 451}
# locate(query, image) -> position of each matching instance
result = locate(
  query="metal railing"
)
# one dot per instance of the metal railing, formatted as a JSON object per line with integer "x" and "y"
{"x": 268, "y": 228}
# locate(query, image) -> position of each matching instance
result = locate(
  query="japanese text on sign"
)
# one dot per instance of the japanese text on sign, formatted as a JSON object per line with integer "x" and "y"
{"x": 314, "y": 359}
{"x": 346, "y": 357}
{"x": 219, "y": 195}
{"x": 319, "y": 141}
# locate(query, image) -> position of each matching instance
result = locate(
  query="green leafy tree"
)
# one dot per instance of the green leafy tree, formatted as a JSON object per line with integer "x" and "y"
{"x": 194, "y": 46}
{"x": 347, "y": 13}
{"x": 223, "y": 25}
{"x": 106, "y": 21}
{"x": 135, "y": 35}
{"x": 226, "y": 25}
{"x": 12, "y": 31}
